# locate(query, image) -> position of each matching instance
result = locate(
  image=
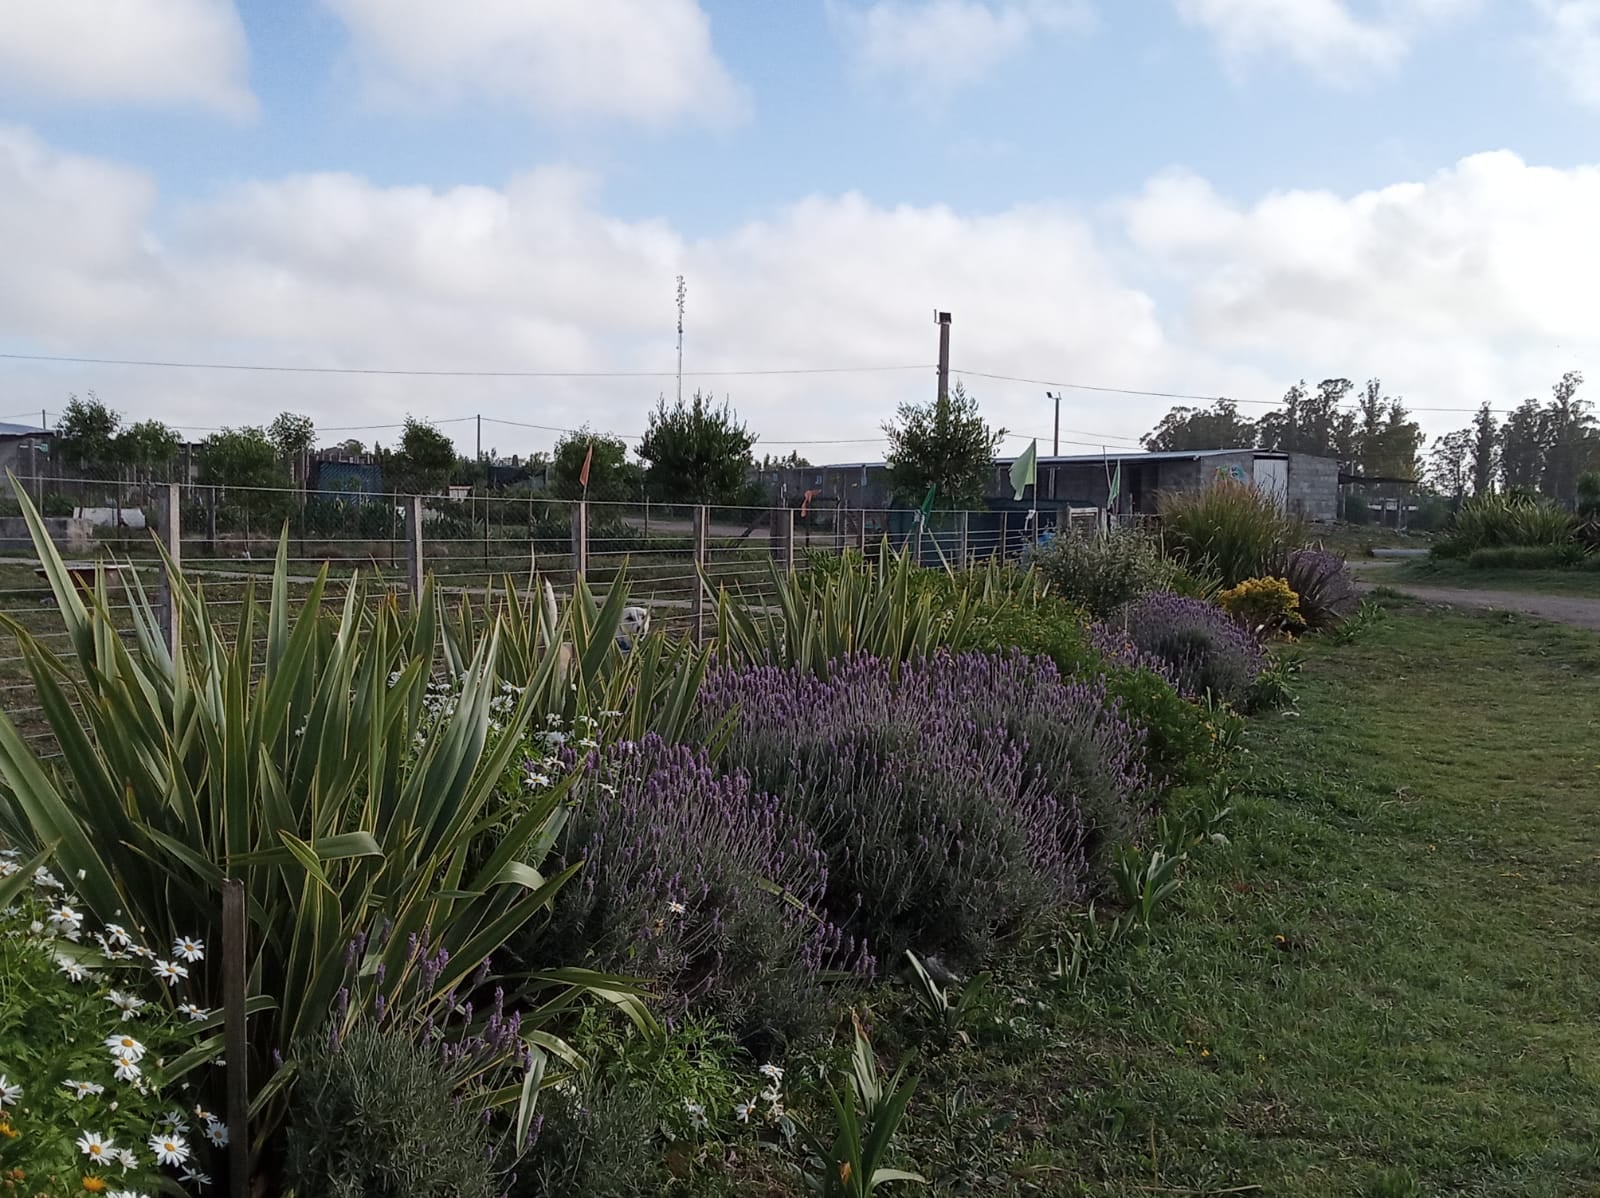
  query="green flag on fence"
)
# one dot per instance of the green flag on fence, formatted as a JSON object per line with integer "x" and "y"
{"x": 1114, "y": 489}
{"x": 1025, "y": 470}
{"x": 926, "y": 509}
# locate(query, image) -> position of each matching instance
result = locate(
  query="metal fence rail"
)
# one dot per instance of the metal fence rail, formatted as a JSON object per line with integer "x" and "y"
{"x": 675, "y": 560}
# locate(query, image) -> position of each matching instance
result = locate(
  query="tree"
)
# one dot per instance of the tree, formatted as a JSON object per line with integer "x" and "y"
{"x": 149, "y": 447}
{"x": 1450, "y": 463}
{"x": 424, "y": 460}
{"x": 612, "y": 478}
{"x": 87, "y": 435}
{"x": 1313, "y": 423}
{"x": 1569, "y": 438}
{"x": 1217, "y": 427}
{"x": 789, "y": 461}
{"x": 1387, "y": 440}
{"x": 1523, "y": 447}
{"x": 696, "y": 452}
{"x": 244, "y": 463}
{"x": 1485, "y": 451}
{"x": 943, "y": 444}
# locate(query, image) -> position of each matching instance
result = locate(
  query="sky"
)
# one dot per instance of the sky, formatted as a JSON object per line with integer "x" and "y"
{"x": 479, "y": 208}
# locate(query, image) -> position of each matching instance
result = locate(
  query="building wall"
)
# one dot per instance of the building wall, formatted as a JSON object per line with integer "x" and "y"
{"x": 1314, "y": 487}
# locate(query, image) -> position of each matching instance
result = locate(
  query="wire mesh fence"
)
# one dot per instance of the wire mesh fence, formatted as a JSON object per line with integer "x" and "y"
{"x": 675, "y": 560}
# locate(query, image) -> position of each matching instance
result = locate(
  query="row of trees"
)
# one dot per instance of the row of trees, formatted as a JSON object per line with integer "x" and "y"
{"x": 1376, "y": 438}
{"x": 1540, "y": 447}
{"x": 1543, "y": 447}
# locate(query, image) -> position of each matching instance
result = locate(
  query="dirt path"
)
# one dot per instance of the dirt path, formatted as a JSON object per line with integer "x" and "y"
{"x": 1561, "y": 609}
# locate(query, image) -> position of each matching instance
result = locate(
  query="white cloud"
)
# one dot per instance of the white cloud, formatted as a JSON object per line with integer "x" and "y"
{"x": 1469, "y": 285}
{"x": 1328, "y": 37}
{"x": 1568, "y": 46}
{"x": 1473, "y": 284}
{"x": 936, "y": 46}
{"x": 134, "y": 51}
{"x": 649, "y": 62}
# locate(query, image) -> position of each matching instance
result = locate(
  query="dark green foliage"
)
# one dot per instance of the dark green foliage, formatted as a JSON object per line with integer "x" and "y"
{"x": 1100, "y": 574}
{"x": 1355, "y": 510}
{"x": 1231, "y": 529}
{"x": 86, "y": 436}
{"x": 943, "y": 444}
{"x": 376, "y": 1118}
{"x": 1526, "y": 557}
{"x": 1217, "y": 427}
{"x": 1502, "y": 519}
{"x": 598, "y": 1142}
{"x": 423, "y": 462}
{"x": 612, "y": 478}
{"x": 697, "y": 453}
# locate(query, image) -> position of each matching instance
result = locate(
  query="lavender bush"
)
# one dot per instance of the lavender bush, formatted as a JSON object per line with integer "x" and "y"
{"x": 706, "y": 889}
{"x": 946, "y": 804}
{"x": 1195, "y": 645}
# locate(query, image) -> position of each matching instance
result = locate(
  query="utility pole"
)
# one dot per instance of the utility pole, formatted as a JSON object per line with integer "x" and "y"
{"x": 682, "y": 292}
{"x": 942, "y": 319}
{"x": 1055, "y": 445}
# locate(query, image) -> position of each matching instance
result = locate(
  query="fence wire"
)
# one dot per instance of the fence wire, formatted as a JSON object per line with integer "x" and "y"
{"x": 674, "y": 560}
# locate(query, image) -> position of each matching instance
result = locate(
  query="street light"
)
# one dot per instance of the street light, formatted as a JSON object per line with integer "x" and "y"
{"x": 1055, "y": 448}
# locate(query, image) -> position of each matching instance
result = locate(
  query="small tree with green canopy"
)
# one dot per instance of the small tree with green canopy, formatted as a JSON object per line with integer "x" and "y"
{"x": 1218, "y": 427}
{"x": 88, "y": 436}
{"x": 944, "y": 444}
{"x": 612, "y": 478}
{"x": 149, "y": 446}
{"x": 424, "y": 461}
{"x": 697, "y": 453}
{"x": 244, "y": 464}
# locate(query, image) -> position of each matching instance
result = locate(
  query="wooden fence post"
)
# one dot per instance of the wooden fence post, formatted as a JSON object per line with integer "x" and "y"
{"x": 697, "y": 606}
{"x": 414, "y": 547}
{"x": 172, "y": 534}
{"x": 580, "y": 539}
{"x": 781, "y": 533}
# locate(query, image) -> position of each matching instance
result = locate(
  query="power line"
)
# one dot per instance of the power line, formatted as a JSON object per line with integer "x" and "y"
{"x": 455, "y": 374}
{"x": 1006, "y": 378}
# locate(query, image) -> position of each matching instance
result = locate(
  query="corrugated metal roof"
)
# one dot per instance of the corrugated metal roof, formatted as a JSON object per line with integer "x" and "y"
{"x": 19, "y": 430}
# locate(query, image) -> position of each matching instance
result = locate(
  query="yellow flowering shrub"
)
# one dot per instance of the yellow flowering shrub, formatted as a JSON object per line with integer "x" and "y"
{"x": 1266, "y": 605}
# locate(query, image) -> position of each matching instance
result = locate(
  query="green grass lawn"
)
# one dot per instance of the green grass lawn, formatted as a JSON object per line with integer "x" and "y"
{"x": 1424, "y": 834}
{"x": 1427, "y": 572}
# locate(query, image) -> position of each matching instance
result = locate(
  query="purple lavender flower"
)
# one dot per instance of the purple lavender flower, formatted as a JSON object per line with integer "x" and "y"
{"x": 947, "y": 800}
{"x": 1193, "y": 644}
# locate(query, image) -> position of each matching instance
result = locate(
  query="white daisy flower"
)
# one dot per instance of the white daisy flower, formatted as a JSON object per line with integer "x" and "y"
{"x": 118, "y": 935}
{"x": 124, "y": 1194}
{"x": 126, "y": 1157}
{"x": 96, "y": 1147}
{"x": 169, "y": 972}
{"x": 125, "y": 1068}
{"x": 743, "y": 1110}
{"x": 64, "y": 921}
{"x": 186, "y": 948}
{"x": 73, "y": 969}
{"x": 82, "y": 1090}
{"x": 170, "y": 1148}
{"x": 35, "y": 927}
{"x": 217, "y": 1134}
{"x": 772, "y": 1072}
{"x": 204, "y": 1115}
{"x": 697, "y": 1115}
{"x": 676, "y": 907}
{"x": 128, "y": 1004}
{"x": 195, "y": 1178}
{"x": 173, "y": 1121}
{"x": 43, "y": 877}
{"x": 123, "y": 1045}
{"x": 8, "y": 1092}
{"x": 196, "y": 1014}
{"x": 775, "y": 1112}
{"x": 7, "y": 868}
{"x": 772, "y": 1094}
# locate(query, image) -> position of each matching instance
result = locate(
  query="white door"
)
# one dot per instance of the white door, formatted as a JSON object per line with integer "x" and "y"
{"x": 1272, "y": 477}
